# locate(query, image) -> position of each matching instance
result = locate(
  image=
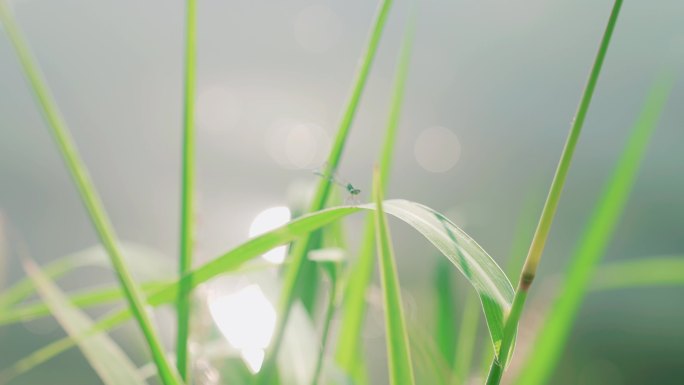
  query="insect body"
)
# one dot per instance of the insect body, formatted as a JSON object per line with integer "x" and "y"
{"x": 353, "y": 191}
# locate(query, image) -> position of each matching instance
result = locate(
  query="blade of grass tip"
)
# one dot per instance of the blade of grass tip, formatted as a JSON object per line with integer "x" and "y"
{"x": 398, "y": 355}
{"x": 298, "y": 254}
{"x": 349, "y": 351}
{"x": 549, "y": 211}
{"x": 88, "y": 193}
{"x": 187, "y": 189}
{"x": 107, "y": 359}
{"x": 551, "y": 339}
{"x": 642, "y": 272}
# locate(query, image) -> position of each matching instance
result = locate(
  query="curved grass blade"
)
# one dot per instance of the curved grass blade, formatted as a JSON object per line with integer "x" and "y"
{"x": 481, "y": 271}
{"x": 88, "y": 194}
{"x": 106, "y": 358}
{"x": 551, "y": 339}
{"x": 398, "y": 353}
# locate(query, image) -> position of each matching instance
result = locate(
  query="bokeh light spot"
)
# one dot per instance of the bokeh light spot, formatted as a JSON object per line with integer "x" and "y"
{"x": 437, "y": 149}
{"x": 247, "y": 320}
{"x": 268, "y": 220}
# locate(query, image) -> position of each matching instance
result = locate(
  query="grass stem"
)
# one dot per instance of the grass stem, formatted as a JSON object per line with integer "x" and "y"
{"x": 187, "y": 191}
{"x": 88, "y": 193}
{"x": 538, "y": 242}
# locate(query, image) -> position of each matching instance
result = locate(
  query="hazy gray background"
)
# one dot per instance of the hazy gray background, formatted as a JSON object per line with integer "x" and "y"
{"x": 504, "y": 77}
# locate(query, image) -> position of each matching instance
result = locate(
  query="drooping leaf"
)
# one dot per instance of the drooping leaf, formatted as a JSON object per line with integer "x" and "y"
{"x": 477, "y": 266}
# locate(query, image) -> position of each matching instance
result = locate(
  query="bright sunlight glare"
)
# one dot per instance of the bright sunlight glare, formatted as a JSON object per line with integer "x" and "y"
{"x": 247, "y": 319}
{"x": 268, "y": 220}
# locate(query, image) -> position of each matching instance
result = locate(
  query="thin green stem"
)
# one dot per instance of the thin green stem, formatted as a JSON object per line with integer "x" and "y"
{"x": 298, "y": 254}
{"x": 187, "y": 190}
{"x": 330, "y": 311}
{"x": 89, "y": 196}
{"x": 552, "y": 336}
{"x": 549, "y": 211}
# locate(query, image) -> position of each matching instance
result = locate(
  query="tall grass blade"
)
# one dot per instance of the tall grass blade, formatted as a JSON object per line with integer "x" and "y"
{"x": 187, "y": 189}
{"x": 548, "y": 213}
{"x": 551, "y": 339}
{"x": 398, "y": 354}
{"x": 106, "y": 358}
{"x": 89, "y": 196}
{"x": 299, "y": 251}
{"x": 349, "y": 353}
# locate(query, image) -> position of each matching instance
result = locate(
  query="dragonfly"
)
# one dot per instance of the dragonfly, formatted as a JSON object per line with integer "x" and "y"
{"x": 334, "y": 178}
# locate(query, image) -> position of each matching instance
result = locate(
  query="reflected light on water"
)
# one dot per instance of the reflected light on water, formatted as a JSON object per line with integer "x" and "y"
{"x": 268, "y": 220}
{"x": 247, "y": 320}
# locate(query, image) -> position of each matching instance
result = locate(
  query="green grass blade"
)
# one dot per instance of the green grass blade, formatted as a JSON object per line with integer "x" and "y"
{"x": 25, "y": 287}
{"x": 642, "y": 272}
{"x": 476, "y": 265}
{"x": 145, "y": 263}
{"x": 299, "y": 251}
{"x": 106, "y": 358}
{"x": 187, "y": 189}
{"x": 349, "y": 352}
{"x": 445, "y": 311}
{"x": 87, "y": 192}
{"x": 465, "y": 343}
{"x": 398, "y": 354}
{"x": 551, "y": 339}
{"x": 549, "y": 211}
{"x": 86, "y": 299}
